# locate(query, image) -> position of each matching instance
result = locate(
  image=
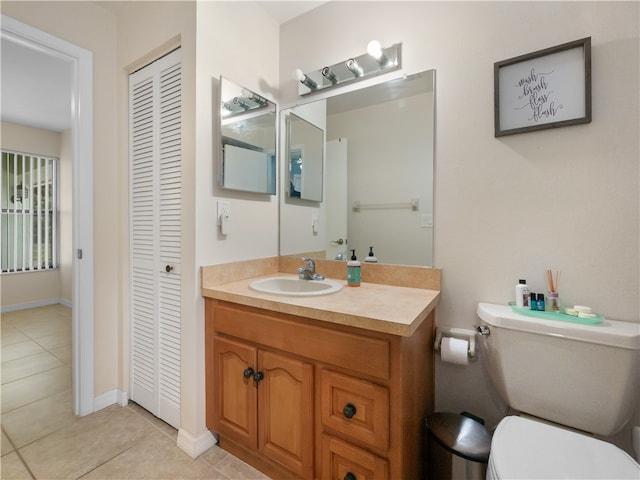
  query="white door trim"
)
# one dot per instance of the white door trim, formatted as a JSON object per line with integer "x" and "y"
{"x": 81, "y": 61}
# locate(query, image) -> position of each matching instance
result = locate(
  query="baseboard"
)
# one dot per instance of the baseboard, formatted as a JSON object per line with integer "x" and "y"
{"x": 193, "y": 446}
{"x": 109, "y": 398}
{"x": 66, "y": 303}
{"x": 34, "y": 304}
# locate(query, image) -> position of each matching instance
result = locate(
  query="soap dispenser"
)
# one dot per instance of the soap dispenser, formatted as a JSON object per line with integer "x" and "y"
{"x": 371, "y": 258}
{"x": 353, "y": 271}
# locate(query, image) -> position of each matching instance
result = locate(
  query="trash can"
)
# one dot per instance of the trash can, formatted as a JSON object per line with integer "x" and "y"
{"x": 457, "y": 447}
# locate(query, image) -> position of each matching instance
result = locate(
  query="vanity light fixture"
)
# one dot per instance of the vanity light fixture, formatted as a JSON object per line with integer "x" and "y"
{"x": 254, "y": 97}
{"x": 376, "y": 61}
{"x": 304, "y": 79}
{"x": 241, "y": 102}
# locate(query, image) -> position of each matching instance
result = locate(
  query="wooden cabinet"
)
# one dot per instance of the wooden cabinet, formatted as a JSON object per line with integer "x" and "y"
{"x": 264, "y": 402}
{"x": 302, "y": 398}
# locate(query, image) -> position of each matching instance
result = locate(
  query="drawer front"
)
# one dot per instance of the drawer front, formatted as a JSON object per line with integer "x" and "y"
{"x": 356, "y": 408}
{"x": 360, "y": 353}
{"x": 343, "y": 461}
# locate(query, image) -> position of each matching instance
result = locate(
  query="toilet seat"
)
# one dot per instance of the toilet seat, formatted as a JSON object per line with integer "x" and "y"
{"x": 523, "y": 448}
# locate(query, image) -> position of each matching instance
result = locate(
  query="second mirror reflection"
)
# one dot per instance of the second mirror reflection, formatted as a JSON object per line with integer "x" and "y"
{"x": 248, "y": 140}
{"x": 305, "y": 148}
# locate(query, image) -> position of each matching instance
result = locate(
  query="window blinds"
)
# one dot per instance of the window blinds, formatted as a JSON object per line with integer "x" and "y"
{"x": 28, "y": 228}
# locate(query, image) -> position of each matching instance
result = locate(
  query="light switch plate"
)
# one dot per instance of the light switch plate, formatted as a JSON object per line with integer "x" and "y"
{"x": 426, "y": 220}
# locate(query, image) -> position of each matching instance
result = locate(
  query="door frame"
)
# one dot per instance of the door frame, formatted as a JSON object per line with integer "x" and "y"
{"x": 81, "y": 62}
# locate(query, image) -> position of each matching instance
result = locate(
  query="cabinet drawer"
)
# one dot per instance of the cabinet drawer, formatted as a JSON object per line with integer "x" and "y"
{"x": 356, "y": 408}
{"x": 341, "y": 460}
{"x": 361, "y": 353}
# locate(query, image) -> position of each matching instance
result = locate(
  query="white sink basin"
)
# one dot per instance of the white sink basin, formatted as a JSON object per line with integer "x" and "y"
{"x": 293, "y": 286}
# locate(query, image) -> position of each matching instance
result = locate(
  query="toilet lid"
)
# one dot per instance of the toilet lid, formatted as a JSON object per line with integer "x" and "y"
{"x": 523, "y": 448}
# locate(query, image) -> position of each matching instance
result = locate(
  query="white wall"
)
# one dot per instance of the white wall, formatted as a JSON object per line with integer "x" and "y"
{"x": 89, "y": 26}
{"x": 65, "y": 211}
{"x": 246, "y": 52}
{"x": 511, "y": 207}
{"x": 239, "y": 41}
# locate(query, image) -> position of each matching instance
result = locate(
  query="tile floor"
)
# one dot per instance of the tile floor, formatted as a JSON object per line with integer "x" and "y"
{"x": 42, "y": 439}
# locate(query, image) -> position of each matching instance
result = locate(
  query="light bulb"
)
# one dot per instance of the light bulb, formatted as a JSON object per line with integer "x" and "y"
{"x": 374, "y": 49}
{"x": 298, "y": 75}
{"x": 304, "y": 79}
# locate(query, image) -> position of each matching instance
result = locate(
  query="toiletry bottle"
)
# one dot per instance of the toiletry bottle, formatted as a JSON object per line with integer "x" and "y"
{"x": 522, "y": 294}
{"x": 353, "y": 271}
{"x": 533, "y": 302}
{"x": 553, "y": 302}
{"x": 541, "y": 302}
{"x": 371, "y": 258}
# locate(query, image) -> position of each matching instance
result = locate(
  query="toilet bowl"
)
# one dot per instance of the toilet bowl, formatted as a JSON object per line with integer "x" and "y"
{"x": 582, "y": 377}
{"x": 528, "y": 449}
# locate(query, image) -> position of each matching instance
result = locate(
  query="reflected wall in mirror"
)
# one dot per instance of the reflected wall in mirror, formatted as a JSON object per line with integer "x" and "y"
{"x": 305, "y": 148}
{"x": 378, "y": 188}
{"x": 248, "y": 140}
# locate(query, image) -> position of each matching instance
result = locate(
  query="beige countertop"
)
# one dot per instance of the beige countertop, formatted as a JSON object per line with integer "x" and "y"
{"x": 396, "y": 310}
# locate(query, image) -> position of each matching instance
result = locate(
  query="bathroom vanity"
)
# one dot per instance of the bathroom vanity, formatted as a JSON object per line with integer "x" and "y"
{"x": 333, "y": 386}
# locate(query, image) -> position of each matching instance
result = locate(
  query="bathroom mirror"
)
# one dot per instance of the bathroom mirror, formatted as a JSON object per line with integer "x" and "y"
{"x": 378, "y": 188}
{"x": 248, "y": 140}
{"x": 305, "y": 147}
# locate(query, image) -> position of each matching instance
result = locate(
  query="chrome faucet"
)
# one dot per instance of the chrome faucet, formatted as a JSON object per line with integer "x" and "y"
{"x": 308, "y": 272}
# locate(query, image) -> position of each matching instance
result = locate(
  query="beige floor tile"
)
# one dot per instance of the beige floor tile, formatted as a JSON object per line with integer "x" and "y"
{"x": 39, "y": 419}
{"x": 36, "y": 387}
{"x": 24, "y": 367}
{"x": 7, "y": 447}
{"x": 156, "y": 457}
{"x": 154, "y": 421}
{"x": 19, "y": 350}
{"x": 38, "y": 328}
{"x": 11, "y": 335}
{"x": 56, "y": 340}
{"x": 64, "y": 354}
{"x": 13, "y": 468}
{"x": 80, "y": 448}
{"x": 214, "y": 456}
{"x": 235, "y": 468}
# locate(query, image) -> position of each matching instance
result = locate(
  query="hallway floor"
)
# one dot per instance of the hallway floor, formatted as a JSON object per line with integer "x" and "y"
{"x": 42, "y": 439}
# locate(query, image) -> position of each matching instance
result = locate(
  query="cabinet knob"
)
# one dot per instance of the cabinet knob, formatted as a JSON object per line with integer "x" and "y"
{"x": 168, "y": 268}
{"x": 349, "y": 411}
{"x": 350, "y": 476}
{"x": 258, "y": 376}
{"x": 248, "y": 373}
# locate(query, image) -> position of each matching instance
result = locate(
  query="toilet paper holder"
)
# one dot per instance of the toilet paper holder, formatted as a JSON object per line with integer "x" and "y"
{"x": 460, "y": 334}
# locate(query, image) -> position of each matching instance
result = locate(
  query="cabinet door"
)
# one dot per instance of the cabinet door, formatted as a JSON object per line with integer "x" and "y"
{"x": 286, "y": 412}
{"x": 235, "y": 407}
{"x": 343, "y": 461}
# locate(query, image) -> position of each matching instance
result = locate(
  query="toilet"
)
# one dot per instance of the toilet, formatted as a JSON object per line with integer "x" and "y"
{"x": 560, "y": 377}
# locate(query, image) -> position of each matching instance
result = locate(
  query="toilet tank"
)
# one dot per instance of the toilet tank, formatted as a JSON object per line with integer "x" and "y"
{"x": 583, "y": 376}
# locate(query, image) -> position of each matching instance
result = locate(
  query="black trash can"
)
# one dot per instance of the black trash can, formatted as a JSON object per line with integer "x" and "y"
{"x": 457, "y": 447}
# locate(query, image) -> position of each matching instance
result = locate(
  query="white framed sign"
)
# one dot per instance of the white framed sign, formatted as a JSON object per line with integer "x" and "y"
{"x": 549, "y": 88}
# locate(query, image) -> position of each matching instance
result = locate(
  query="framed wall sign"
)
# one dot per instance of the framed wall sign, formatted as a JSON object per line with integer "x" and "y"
{"x": 549, "y": 88}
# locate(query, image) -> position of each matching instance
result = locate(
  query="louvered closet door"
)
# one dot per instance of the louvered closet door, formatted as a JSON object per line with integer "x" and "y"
{"x": 155, "y": 213}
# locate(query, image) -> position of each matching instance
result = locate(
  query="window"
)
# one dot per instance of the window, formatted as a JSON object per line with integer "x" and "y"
{"x": 28, "y": 230}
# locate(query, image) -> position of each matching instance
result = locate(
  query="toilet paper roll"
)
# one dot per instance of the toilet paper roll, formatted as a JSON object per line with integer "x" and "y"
{"x": 454, "y": 350}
